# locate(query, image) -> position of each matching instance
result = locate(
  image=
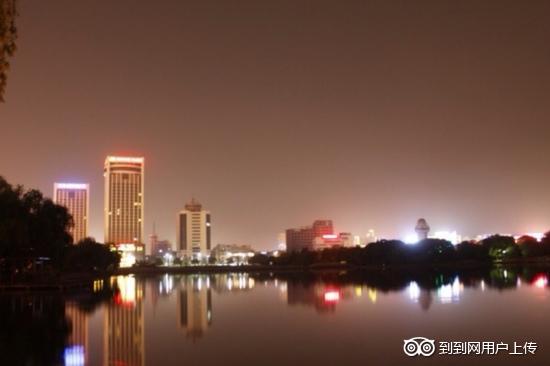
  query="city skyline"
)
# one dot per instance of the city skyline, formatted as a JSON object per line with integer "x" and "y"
{"x": 61, "y": 191}
{"x": 372, "y": 114}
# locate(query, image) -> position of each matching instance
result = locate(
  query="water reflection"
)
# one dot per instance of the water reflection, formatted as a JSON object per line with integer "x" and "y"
{"x": 124, "y": 341}
{"x": 195, "y": 306}
{"x": 55, "y": 329}
{"x": 76, "y": 350}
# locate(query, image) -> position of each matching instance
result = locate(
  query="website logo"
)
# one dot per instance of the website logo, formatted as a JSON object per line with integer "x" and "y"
{"x": 419, "y": 346}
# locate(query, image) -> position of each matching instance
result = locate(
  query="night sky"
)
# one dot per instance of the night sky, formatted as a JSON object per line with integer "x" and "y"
{"x": 371, "y": 113}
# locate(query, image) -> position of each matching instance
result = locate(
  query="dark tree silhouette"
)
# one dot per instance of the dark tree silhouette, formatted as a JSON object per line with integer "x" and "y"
{"x": 89, "y": 256}
{"x": 32, "y": 229}
{"x": 501, "y": 247}
{"x": 8, "y": 35}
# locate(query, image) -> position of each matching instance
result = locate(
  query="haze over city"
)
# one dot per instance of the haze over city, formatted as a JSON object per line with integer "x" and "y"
{"x": 371, "y": 115}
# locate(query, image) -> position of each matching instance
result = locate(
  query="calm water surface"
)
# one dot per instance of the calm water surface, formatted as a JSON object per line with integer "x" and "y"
{"x": 246, "y": 319}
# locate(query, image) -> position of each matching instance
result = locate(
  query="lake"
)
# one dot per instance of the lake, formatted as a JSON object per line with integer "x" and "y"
{"x": 330, "y": 318}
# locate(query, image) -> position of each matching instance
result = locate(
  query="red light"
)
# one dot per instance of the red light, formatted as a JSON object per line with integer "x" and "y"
{"x": 332, "y": 296}
{"x": 540, "y": 281}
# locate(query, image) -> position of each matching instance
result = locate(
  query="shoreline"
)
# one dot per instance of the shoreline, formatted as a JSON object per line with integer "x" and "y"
{"x": 75, "y": 282}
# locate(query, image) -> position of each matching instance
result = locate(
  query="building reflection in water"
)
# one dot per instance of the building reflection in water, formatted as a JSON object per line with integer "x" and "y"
{"x": 195, "y": 306}
{"x": 445, "y": 293}
{"x": 323, "y": 297}
{"x": 124, "y": 338}
{"x": 77, "y": 348}
{"x": 124, "y": 321}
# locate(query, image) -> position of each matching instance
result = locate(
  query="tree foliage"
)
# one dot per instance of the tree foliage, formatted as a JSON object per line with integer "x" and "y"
{"x": 8, "y": 36}
{"x": 34, "y": 236}
{"x": 89, "y": 256}
{"x": 31, "y": 226}
{"x": 425, "y": 252}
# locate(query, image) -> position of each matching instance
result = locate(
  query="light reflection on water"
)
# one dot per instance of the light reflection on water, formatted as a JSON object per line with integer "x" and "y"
{"x": 169, "y": 318}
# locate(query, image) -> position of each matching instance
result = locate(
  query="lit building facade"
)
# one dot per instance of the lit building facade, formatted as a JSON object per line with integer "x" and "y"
{"x": 194, "y": 233}
{"x": 124, "y": 199}
{"x": 76, "y": 198}
{"x": 309, "y": 237}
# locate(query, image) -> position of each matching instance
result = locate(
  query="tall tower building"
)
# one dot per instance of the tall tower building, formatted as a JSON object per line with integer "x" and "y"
{"x": 194, "y": 231}
{"x": 75, "y": 197}
{"x": 422, "y": 229}
{"x": 124, "y": 199}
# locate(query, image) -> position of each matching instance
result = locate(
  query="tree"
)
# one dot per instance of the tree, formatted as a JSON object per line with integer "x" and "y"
{"x": 501, "y": 247}
{"x": 530, "y": 247}
{"x": 471, "y": 251}
{"x": 31, "y": 227}
{"x": 430, "y": 251}
{"x": 8, "y": 36}
{"x": 545, "y": 242}
{"x": 89, "y": 256}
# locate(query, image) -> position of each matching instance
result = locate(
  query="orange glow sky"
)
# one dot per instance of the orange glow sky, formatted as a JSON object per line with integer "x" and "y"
{"x": 372, "y": 113}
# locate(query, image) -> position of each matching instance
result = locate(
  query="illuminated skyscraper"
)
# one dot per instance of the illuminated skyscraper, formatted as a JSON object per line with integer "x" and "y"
{"x": 75, "y": 197}
{"x": 124, "y": 199}
{"x": 194, "y": 231}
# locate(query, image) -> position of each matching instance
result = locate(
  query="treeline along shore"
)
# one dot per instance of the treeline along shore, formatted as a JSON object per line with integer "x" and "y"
{"x": 36, "y": 249}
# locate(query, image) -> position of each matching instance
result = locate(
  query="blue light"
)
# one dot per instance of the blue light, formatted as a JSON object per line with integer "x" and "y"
{"x": 74, "y": 356}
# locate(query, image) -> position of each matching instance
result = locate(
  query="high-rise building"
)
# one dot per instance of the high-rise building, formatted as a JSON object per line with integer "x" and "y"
{"x": 194, "y": 231}
{"x": 124, "y": 199}
{"x": 75, "y": 197}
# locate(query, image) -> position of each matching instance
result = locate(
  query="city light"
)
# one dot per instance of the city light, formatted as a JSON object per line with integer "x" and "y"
{"x": 540, "y": 281}
{"x": 411, "y": 238}
{"x": 127, "y": 288}
{"x": 71, "y": 186}
{"x": 123, "y": 159}
{"x": 74, "y": 356}
{"x": 451, "y": 236}
{"x": 414, "y": 291}
{"x": 332, "y": 296}
{"x": 451, "y": 292}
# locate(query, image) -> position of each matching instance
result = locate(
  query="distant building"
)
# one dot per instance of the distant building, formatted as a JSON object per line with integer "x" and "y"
{"x": 332, "y": 240}
{"x": 158, "y": 247}
{"x": 371, "y": 237}
{"x": 309, "y": 237}
{"x": 76, "y": 198}
{"x": 281, "y": 241}
{"x": 422, "y": 229}
{"x": 232, "y": 253}
{"x": 194, "y": 233}
{"x": 124, "y": 199}
{"x": 161, "y": 248}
